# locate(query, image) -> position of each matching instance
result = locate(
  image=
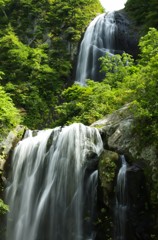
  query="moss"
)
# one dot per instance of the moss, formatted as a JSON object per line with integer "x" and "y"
{"x": 107, "y": 168}
{"x": 107, "y": 172}
{"x": 9, "y": 143}
{"x": 3, "y": 207}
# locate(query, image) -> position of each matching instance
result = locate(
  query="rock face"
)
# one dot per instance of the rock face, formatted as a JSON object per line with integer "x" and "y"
{"x": 118, "y": 131}
{"x": 6, "y": 147}
{"x": 119, "y": 135}
{"x": 8, "y": 144}
{"x": 138, "y": 213}
{"x": 127, "y": 37}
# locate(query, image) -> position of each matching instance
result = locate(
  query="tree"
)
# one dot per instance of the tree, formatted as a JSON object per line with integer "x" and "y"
{"x": 28, "y": 78}
{"x": 144, "y": 12}
{"x": 9, "y": 115}
{"x": 38, "y": 42}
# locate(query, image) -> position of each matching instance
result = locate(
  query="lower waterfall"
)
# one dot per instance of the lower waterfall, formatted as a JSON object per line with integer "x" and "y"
{"x": 99, "y": 38}
{"x": 121, "y": 202}
{"x": 53, "y": 182}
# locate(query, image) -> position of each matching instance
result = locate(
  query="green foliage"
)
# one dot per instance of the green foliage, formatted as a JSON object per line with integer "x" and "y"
{"x": 148, "y": 46}
{"x": 144, "y": 12}
{"x": 74, "y": 16}
{"x": 3, "y": 207}
{"x": 86, "y": 104}
{"x": 138, "y": 82}
{"x": 9, "y": 115}
{"x": 3, "y": 3}
{"x": 107, "y": 168}
{"x": 37, "y": 44}
{"x": 28, "y": 78}
{"x": 140, "y": 85}
{"x": 116, "y": 67}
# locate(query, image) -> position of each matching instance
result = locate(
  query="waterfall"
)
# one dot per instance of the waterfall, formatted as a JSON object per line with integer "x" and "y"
{"x": 48, "y": 184}
{"x": 99, "y": 38}
{"x": 108, "y": 33}
{"x": 121, "y": 202}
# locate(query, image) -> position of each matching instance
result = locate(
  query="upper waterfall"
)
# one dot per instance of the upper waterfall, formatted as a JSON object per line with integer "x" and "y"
{"x": 106, "y": 33}
{"x": 49, "y": 183}
{"x": 99, "y": 38}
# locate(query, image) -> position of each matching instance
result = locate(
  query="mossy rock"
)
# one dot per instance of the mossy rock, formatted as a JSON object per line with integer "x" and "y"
{"x": 107, "y": 172}
{"x": 9, "y": 143}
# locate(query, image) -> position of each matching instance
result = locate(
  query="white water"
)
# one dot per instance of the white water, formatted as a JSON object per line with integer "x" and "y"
{"x": 45, "y": 194}
{"x": 99, "y": 38}
{"x": 91, "y": 193}
{"x": 121, "y": 202}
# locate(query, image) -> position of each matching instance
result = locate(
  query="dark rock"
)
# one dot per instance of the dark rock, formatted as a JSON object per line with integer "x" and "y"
{"x": 127, "y": 37}
{"x": 119, "y": 135}
{"x": 107, "y": 171}
{"x": 138, "y": 212}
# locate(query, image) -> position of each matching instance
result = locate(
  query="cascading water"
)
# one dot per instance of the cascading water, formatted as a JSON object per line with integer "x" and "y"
{"x": 108, "y": 33}
{"x": 46, "y": 192}
{"x": 99, "y": 38}
{"x": 90, "y": 206}
{"x": 121, "y": 203}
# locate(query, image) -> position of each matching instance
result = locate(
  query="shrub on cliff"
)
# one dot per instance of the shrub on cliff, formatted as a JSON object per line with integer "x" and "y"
{"x": 9, "y": 115}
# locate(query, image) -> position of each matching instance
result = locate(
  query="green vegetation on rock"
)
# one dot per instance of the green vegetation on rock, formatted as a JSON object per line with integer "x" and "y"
{"x": 9, "y": 115}
{"x": 3, "y": 207}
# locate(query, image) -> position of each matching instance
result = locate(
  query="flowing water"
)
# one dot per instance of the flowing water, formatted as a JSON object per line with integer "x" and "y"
{"x": 108, "y": 33}
{"x": 99, "y": 38}
{"x": 46, "y": 193}
{"x": 121, "y": 202}
{"x": 90, "y": 206}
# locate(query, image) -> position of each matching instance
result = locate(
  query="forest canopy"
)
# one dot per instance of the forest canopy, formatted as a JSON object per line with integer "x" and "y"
{"x": 38, "y": 44}
{"x": 144, "y": 12}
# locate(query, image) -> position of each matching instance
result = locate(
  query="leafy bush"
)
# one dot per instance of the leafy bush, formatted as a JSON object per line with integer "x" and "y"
{"x": 86, "y": 104}
{"x": 144, "y": 12}
{"x": 9, "y": 115}
{"x": 3, "y": 207}
{"x": 37, "y": 44}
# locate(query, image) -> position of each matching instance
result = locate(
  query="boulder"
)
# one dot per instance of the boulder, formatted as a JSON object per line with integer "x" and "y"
{"x": 119, "y": 134}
